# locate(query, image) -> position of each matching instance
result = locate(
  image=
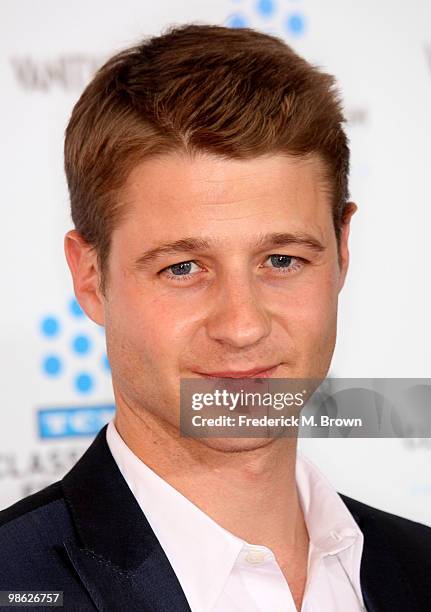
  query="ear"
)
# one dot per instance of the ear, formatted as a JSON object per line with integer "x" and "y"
{"x": 343, "y": 248}
{"x": 82, "y": 262}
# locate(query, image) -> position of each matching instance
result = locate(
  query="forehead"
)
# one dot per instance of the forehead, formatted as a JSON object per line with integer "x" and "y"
{"x": 177, "y": 193}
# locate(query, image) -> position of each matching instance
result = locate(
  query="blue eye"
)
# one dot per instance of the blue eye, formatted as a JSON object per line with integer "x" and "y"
{"x": 181, "y": 271}
{"x": 281, "y": 261}
{"x": 181, "y": 268}
{"x": 285, "y": 264}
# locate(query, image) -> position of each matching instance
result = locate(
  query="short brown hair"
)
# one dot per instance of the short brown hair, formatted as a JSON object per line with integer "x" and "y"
{"x": 236, "y": 93}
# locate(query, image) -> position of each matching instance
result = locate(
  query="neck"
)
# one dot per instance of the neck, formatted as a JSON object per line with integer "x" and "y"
{"x": 252, "y": 493}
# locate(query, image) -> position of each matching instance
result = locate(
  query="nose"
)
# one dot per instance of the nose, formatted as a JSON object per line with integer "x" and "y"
{"x": 239, "y": 318}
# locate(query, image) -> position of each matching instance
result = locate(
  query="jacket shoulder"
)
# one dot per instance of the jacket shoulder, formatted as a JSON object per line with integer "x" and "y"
{"x": 30, "y": 503}
{"x": 408, "y": 538}
{"x": 364, "y": 510}
{"x": 31, "y": 535}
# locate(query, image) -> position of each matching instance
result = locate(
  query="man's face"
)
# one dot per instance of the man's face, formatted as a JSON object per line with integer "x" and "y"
{"x": 254, "y": 283}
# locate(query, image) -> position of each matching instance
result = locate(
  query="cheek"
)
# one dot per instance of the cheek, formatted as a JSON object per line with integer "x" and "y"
{"x": 153, "y": 329}
{"x": 310, "y": 312}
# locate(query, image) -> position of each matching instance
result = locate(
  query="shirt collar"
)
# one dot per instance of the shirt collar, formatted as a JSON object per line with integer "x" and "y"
{"x": 331, "y": 527}
{"x": 195, "y": 544}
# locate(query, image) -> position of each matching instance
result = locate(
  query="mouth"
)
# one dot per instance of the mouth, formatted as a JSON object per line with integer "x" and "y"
{"x": 258, "y": 372}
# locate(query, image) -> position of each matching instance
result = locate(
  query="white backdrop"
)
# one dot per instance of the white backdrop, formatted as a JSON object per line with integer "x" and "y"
{"x": 55, "y": 383}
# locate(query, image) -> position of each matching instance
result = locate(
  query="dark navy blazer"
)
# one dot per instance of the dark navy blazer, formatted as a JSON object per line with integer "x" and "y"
{"x": 87, "y": 536}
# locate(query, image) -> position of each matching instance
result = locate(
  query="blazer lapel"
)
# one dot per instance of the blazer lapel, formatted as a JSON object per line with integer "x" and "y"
{"x": 385, "y": 587}
{"x": 116, "y": 554}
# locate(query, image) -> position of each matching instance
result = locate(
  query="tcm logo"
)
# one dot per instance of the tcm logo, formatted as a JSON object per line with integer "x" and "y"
{"x": 72, "y": 422}
{"x": 271, "y": 16}
{"x": 74, "y": 352}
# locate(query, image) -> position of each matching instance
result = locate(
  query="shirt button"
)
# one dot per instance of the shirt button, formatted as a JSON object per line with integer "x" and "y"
{"x": 336, "y": 536}
{"x": 255, "y": 556}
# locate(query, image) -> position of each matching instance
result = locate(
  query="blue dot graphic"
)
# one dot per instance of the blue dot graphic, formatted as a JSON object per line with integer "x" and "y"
{"x": 75, "y": 308}
{"x": 237, "y": 21}
{"x": 81, "y": 345}
{"x": 50, "y": 327}
{"x": 265, "y": 7}
{"x": 295, "y": 24}
{"x": 52, "y": 365}
{"x": 105, "y": 362}
{"x": 84, "y": 383}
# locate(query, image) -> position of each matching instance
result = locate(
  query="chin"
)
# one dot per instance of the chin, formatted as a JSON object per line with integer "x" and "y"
{"x": 235, "y": 445}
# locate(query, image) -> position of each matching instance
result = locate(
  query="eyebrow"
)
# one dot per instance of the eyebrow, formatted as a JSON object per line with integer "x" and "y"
{"x": 193, "y": 244}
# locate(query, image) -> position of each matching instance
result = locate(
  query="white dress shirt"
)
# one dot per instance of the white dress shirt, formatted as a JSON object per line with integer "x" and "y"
{"x": 220, "y": 572}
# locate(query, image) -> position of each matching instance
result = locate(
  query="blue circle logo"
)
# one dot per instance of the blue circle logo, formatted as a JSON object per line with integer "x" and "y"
{"x": 50, "y": 327}
{"x": 52, "y": 365}
{"x": 83, "y": 344}
{"x": 271, "y": 16}
{"x": 295, "y": 24}
{"x": 265, "y": 7}
{"x": 84, "y": 382}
